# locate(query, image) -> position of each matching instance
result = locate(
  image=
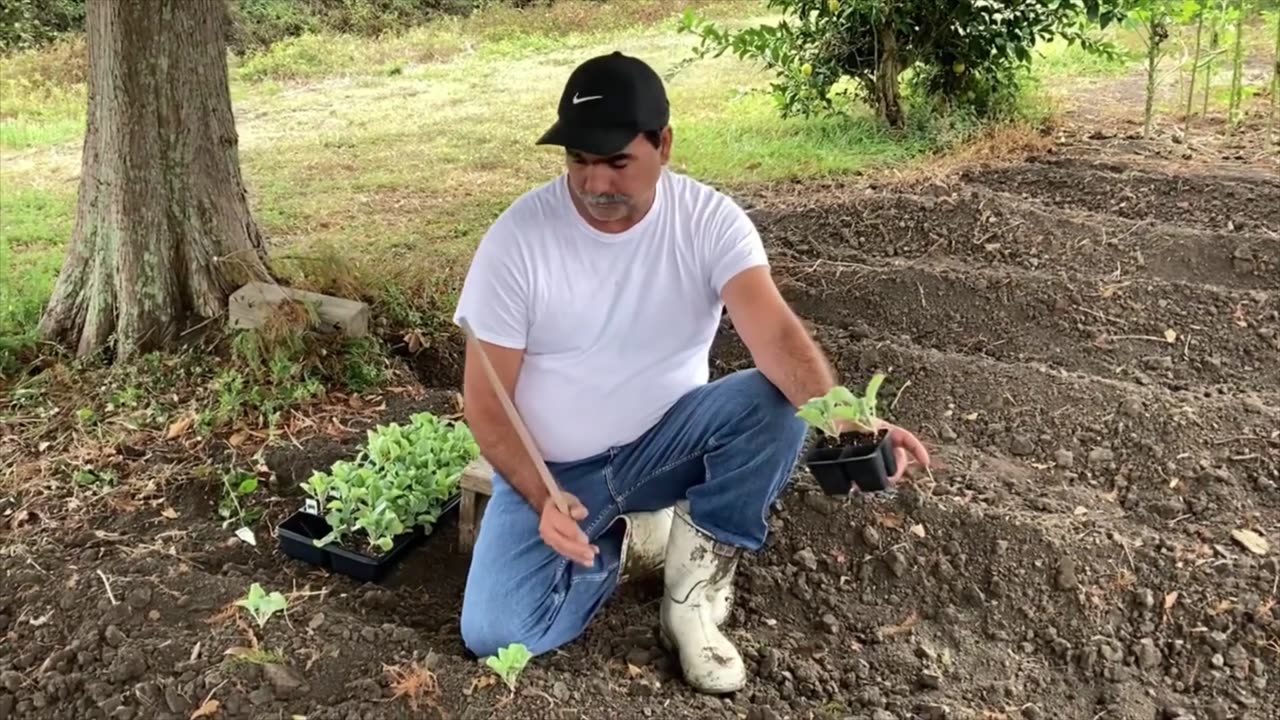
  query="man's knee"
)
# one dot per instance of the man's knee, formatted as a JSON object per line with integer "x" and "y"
{"x": 483, "y": 633}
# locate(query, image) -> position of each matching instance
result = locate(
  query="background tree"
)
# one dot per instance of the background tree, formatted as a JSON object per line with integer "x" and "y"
{"x": 962, "y": 54}
{"x": 163, "y": 232}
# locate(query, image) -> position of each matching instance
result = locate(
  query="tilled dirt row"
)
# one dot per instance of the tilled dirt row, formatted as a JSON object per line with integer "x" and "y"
{"x": 980, "y": 226}
{"x": 1182, "y": 336}
{"x": 1230, "y": 201}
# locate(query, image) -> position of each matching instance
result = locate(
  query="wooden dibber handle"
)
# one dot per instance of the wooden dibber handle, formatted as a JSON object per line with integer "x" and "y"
{"x": 556, "y": 496}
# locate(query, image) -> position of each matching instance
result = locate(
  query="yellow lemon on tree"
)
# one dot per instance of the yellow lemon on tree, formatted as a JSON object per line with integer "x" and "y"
{"x": 806, "y": 69}
{"x": 833, "y": 5}
{"x": 957, "y": 67}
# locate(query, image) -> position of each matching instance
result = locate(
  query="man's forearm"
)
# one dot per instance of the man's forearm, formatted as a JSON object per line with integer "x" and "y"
{"x": 501, "y": 446}
{"x": 796, "y": 365}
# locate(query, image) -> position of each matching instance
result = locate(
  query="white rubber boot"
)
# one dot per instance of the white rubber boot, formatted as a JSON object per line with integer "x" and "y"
{"x": 721, "y": 603}
{"x": 644, "y": 552}
{"x": 644, "y": 543}
{"x": 698, "y": 570}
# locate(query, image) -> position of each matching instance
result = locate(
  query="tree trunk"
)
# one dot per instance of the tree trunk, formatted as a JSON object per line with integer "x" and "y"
{"x": 888, "y": 69}
{"x": 1155, "y": 37}
{"x": 1195, "y": 70}
{"x": 163, "y": 233}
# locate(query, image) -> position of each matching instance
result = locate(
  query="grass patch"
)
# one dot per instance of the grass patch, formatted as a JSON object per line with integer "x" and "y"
{"x": 1061, "y": 59}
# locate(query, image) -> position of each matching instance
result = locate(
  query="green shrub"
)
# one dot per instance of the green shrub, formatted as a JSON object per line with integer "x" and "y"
{"x": 30, "y": 23}
{"x": 254, "y": 24}
{"x": 964, "y": 54}
{"x": 258, "y": 24}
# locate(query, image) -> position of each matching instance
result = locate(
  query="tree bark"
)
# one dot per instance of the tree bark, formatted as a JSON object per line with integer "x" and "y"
{"x": 163, "y": 234}
{"x": 888, "y": 70}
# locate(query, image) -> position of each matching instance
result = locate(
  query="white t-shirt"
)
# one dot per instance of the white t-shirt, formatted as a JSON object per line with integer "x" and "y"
{"x": 615, "y": 327}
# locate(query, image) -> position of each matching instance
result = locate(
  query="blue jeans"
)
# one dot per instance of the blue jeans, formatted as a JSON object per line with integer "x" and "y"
{"x": 729, "y": 447}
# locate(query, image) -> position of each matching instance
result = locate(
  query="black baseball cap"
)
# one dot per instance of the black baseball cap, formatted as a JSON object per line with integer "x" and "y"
{"x": 607, "y": 101}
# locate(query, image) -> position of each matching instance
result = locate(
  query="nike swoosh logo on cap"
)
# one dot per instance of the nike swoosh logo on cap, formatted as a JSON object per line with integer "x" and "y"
{"x": 577, "y": 100}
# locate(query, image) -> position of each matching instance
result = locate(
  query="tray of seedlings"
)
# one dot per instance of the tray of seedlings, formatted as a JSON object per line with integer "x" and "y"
{"x": 363, "y": 515}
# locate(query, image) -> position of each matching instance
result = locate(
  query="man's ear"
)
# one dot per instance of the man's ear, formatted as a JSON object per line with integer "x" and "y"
{"x": 664, "y": 150}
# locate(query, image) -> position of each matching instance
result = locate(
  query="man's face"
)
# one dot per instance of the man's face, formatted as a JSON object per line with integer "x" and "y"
{"x": 617, "y": 189}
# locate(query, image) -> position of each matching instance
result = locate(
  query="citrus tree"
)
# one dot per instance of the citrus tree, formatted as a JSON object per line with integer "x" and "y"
{"x": 961, "y": 53}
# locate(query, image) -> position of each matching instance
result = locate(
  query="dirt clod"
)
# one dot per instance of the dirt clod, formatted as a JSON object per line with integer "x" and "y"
{"x": 1064, "y": 458}
{"x": 1066, "y": 576}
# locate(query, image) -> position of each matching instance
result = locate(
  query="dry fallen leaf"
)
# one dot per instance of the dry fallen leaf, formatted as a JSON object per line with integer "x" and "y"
{"x": 1238, "y": 316}
{"x": 179, "y": 427}
{"x": 917, "y": 530}
{"x": 1221, "y": 607}
{"x": 208, "y": 709}
{"x": 633, "y": 671}
{"x": 890, "y": 520}
{"x": 412, "y": 683}
{"x": 1170, "y": 599}
{"x": 169, "y": 513}
{"x": 237, "y": 438}
{"x": 415, "y": 340}
{"x": 1170, "y": 335}
{"x": 905, "y": 627}
{"x": 1252, "y": 541}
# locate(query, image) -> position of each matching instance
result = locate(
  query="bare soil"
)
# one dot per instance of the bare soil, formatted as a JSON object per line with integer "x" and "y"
{"x": 1071, "y": 556}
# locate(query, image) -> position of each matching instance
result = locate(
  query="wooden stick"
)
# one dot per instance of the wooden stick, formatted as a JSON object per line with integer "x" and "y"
{"x": 514, "y": 416}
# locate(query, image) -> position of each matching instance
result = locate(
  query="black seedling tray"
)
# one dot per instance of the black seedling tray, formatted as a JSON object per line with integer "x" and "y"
{"x": 296, "y": 534}
{"x": 839, "y": 469}
{"x": 299, "y": 531}
{"x": 370, "y": 568}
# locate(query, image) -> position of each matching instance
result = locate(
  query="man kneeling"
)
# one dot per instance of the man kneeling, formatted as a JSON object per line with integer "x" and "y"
{"x": 597, "y": 297}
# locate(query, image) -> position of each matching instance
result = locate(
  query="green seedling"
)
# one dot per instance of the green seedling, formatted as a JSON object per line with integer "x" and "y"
{"x": 509, "y": 663}
{"x": 237, "y": 485}
{"x": 840, "y": 405}
{"x": 261, "y": 605}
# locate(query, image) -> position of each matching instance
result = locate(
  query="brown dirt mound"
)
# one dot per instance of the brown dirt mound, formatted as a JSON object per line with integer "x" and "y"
{"x": 1075, "y": 554}
{"x": 1242, "y": 202}
{"x": 956, "y": 221}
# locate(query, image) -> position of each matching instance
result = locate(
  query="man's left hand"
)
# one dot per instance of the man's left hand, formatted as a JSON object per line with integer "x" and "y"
{"x": 907, "y": 448}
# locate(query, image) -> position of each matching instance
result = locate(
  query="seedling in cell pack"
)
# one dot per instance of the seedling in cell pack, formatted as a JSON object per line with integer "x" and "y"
{"x": 262, "y": 605}
{"x": 853, "y": 447}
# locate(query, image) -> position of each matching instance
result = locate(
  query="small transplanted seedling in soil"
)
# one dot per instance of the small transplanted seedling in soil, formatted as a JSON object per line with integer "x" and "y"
{"x": 853, "y": 447}
{"x": 237, "y": 486}
{"x": 262, "y": 605}
{"x": 509, "y": 663}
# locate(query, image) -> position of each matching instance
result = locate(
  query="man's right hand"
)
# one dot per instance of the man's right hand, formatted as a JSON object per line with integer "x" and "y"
{"x": 562, "y": 532}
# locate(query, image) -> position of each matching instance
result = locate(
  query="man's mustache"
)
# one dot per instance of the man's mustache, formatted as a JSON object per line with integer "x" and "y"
{"x": 605, "y": 199}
